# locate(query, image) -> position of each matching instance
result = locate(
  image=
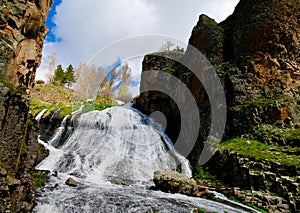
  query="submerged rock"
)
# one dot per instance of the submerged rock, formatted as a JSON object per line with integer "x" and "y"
{"x": 174, "y": 182}
{"x": 71, "y": 182}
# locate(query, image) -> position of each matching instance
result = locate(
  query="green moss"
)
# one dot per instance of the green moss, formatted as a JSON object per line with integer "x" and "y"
{"x": 202, "y": 173}
{"x": 25, "y": 148}
{"x": 51, "y": 97}
{"x": 169, "y": 70}
{"x": 43, "y": 151}
{"x": 5, "y": 83}
{"x": 39, "y": 178}
{"x": 262, "y": 151}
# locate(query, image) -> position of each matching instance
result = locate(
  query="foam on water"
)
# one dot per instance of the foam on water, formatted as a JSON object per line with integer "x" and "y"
{"x": 115, "y": 145}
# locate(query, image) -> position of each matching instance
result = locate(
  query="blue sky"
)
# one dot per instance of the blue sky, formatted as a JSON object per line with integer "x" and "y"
{"x": 50, "y": 24}
{"x": 78, "y": 29}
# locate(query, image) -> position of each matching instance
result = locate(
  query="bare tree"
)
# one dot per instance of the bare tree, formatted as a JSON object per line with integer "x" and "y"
{"x": 167, "y": 46}
{"x": 51, "y": 65}
{"x": 123, "y": 93}
{"x": 88, "y": 80}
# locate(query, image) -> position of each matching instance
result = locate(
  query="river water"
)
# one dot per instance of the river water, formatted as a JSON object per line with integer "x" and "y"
{"x": 112, "y": 154}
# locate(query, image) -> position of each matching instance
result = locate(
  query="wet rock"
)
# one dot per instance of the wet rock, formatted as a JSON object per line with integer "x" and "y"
{"x": 71, "y": 182}
{"x": 174, "y": 182}
{"x": 13, "y": 182}
{"x": 3, "y": 172}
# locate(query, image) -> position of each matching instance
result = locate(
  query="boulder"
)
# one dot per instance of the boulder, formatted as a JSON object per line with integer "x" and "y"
{"x": 174, "y": 182}
{"x": 71, "y": 182}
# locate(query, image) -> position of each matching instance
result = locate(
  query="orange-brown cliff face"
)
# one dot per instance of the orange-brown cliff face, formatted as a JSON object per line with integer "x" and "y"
{"x": 262, "y": 38}
{"x": 256, "y": 53}
{"x": 22, "y": 33}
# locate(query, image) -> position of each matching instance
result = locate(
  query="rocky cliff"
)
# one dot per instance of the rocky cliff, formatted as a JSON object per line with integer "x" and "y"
{"x": 22, "y": 33}
{"x": 255, "y": 52}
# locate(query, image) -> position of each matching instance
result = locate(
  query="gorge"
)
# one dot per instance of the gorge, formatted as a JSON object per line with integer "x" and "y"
{"x": 112, "y": 154}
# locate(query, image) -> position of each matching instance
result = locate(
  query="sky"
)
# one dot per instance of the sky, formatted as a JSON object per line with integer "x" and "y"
{"x": 78, "y": 29}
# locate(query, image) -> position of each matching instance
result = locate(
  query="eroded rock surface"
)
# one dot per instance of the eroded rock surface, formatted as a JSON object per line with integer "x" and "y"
{"x": 22, "y": 33}
{"x": 174, "y": 182}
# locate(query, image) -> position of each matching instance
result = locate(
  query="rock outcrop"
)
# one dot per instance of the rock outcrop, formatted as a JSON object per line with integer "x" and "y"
{"x": 255, "y": 52}
{"x": 270, "y": 185}
{"x": 174, "y": 182}
{"x": 22, "y": 33}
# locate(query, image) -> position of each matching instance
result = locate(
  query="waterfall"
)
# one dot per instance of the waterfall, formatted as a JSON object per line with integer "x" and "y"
{"x": 116, "y": 143}
{"x": 77, "y": 112}
{"x": 109, "y": 147}
{"x": 40, "y": 115}
{"x": 55, "y": 140}
{"x": 54, "y": 114}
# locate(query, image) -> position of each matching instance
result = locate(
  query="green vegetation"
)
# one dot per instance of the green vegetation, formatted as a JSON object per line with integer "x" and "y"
{"x": 39, "y": 178}
{"x": 261, "y": 151}
{"x": 62, "y": 77}
{"x": 202, "y": 173}
{"x": 201, "y": 211}
{"x": 51, "y": 97}
{"x": 99, "y": 103}
{"x": 43, "y": 151}
{"x": 4, "y": 82}
{"x": 274, "y": 135}
{"x": 256, "y": 208}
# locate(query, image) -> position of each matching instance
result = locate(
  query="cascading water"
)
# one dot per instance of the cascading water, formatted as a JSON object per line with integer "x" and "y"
{"x": 116, "y": 145}
{"x": 54, "y": 114}
{"x": 40, "y": 115}
{"x": 54, "y": 141}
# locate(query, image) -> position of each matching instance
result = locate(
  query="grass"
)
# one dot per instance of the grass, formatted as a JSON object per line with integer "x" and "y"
{"x": 100, "y": 103}
{"x": 272, "y": 135}
{"x": 256, "y": 208}
{"x": 261, "y": 151}
{"x": 38, "y": 105}
{"x": 51, "y": 97}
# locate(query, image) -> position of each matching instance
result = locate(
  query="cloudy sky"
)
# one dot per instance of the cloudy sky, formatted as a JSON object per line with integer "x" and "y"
{"x": 80, "y": 28}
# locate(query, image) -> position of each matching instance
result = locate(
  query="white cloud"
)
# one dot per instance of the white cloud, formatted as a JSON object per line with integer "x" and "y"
{"x": 86, "y": 26}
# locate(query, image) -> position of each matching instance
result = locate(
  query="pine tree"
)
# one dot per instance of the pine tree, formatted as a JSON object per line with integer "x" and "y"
{"x": 69, "y": 75}
{"x": 59, "y": 75}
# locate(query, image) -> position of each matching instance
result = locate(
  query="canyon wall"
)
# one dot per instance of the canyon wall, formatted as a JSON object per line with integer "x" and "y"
{"x": 22, "y": 33}
{"x": 255, "y": 53}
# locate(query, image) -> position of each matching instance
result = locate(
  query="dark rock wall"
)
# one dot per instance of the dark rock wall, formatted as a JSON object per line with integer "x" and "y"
{"x": 22, "y": 33}
{"x": 151, "y": 101}
{"x": 255, "y": 52}
{"x": 237, "y": 170}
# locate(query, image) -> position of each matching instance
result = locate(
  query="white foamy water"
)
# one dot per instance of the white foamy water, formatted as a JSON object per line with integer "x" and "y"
{"x": 115, "y": 145}
{"x": 40, "y": 115}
